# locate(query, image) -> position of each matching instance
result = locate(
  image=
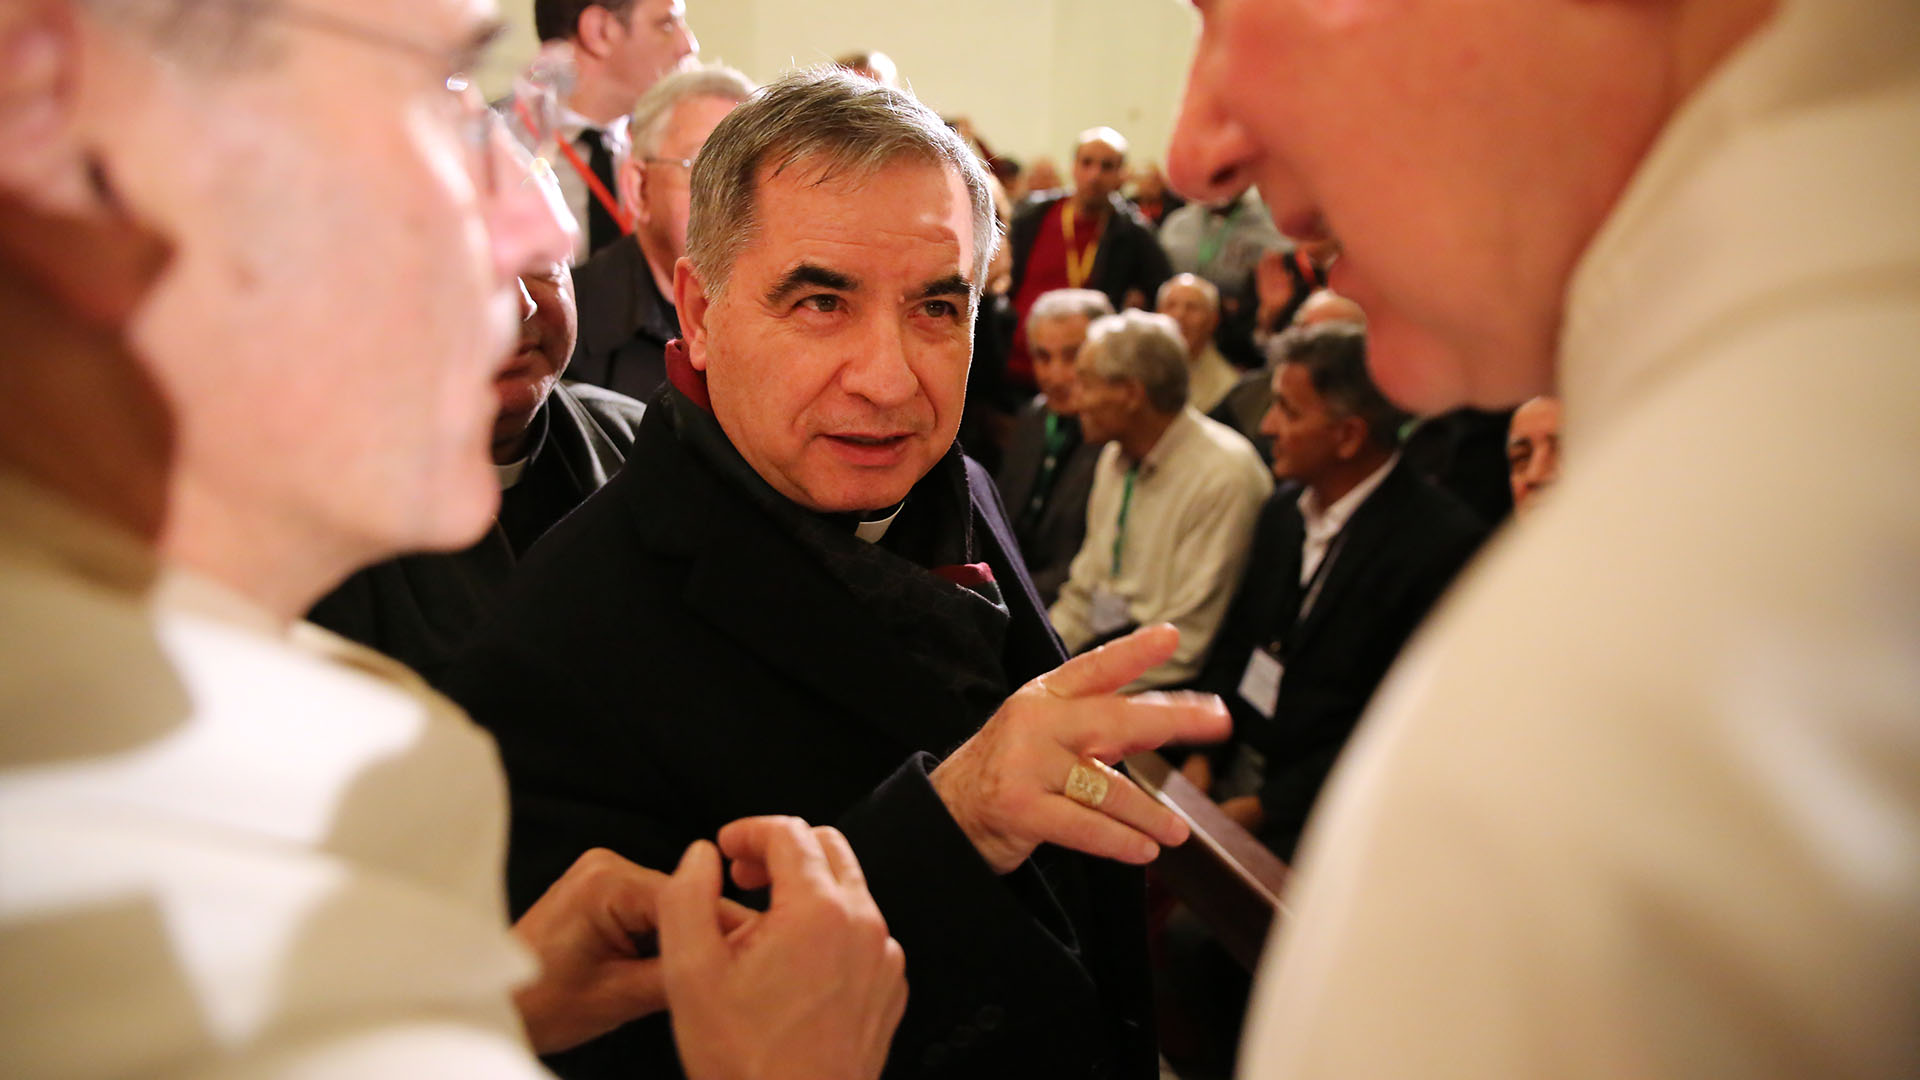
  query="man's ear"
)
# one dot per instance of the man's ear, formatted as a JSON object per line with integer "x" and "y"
{"x": 691, "y": 301}
{"x": 1351, "y": 435}
{"x": 46, "y": 163}
{"x": 594, "y": 30}
{"x": 631, "y": 184}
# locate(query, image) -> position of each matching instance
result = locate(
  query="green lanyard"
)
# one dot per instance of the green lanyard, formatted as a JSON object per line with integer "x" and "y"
{"x": 1211, "y": 242}
{"x": 1120, "y": 529}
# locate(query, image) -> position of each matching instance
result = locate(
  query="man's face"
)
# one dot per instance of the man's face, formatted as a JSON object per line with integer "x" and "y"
{"x": 1306, "y": 435}
{"x": 650, "y": 43}
{"x": 664, "y": 196}
{"x": 343, "y": 289}
{"x": 837, "y": 355}
{"x": 1098, "y": 171}
{"x": 1533, "y": 449}
{"x": 549, "y": 323}
{"x": 1189, "y": 306}
{"x": 1054, "y": 345}
{"x": 1105, "y": 406}
{"x": 1463, "y": 154}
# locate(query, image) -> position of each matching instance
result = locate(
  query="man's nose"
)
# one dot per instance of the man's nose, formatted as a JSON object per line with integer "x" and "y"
{"x": 689, "y": 44}
{"x": 879, "y": 371}
{"x": 527, "y": 224}
{"x": 1211, "y": 153}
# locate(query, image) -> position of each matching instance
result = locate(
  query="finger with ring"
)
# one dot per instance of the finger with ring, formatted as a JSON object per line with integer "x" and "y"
{"x": 1087, "y": 783}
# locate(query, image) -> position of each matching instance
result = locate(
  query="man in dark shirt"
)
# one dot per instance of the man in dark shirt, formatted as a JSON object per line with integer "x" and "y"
{"x": 802, "y": 598}
{"x": 1347, "y": 558}
{"x": 626, "y": 289}
{"x": 1048, "y": 469}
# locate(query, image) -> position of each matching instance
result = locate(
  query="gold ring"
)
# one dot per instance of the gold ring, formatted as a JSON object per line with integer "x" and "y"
{"x": 1087, "y": 783}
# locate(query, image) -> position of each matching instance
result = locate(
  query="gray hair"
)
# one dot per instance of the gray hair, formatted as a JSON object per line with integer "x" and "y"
{"x": 849, "y": 124}
{"x": 1088, "y": 304}
{"x": 1207, "y": 289}
{"x": 1335, "y": 356}
{"x": 1144, "y": 347}
{"x": 656, "y": 107}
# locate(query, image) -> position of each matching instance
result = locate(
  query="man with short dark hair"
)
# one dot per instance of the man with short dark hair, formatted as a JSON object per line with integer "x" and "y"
{"x": 800, "y": 597}
{"x": 1642, "y": 800}
{"x": 619, "y": 49}
{"x": 1173, "y": 503}
{"x": 626, "y": 289}
{"x": 1347, "y": 558}
{"x": 1089, "y": 238}
{"x": 1048, "y": 469}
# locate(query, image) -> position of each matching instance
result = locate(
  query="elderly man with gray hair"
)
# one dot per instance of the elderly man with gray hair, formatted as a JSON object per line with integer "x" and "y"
{"x": 803, "y": 599}
{"x": 1174, "y": 499}
{"x": 626, "y": 290}
{"x": 1048, "y": 468}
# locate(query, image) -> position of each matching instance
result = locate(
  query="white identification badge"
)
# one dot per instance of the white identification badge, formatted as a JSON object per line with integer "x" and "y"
{"x": 1260, "y": 686}
{"x": 1109, "y": 613}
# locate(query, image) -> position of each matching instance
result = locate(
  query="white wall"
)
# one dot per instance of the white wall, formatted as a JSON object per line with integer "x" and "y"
{"x": 1030, "y": 74}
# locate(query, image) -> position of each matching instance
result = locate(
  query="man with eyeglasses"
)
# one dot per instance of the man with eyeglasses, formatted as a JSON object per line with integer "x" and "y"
{"x": 257, "y": 266}
{"x": 626, "y": 290}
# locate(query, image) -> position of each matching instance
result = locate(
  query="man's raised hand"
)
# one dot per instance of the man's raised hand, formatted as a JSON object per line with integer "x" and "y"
{"x": 1008, "y": 787}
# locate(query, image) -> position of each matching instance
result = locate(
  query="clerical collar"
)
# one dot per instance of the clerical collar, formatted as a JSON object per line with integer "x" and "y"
{"x": 510, "y": 474}
{"x": 871, "y": 525}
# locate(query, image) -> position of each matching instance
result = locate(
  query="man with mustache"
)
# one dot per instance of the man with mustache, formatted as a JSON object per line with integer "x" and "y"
{"x": 799, "y": 597}
{"x": 1644, "y": 798}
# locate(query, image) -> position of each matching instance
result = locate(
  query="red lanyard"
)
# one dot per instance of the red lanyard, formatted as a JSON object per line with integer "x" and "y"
{"x": 594, "y": 186}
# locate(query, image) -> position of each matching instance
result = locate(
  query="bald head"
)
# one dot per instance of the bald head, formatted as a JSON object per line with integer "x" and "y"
{"x": 1099, "y": 168}
{"x": 1326, "y": 306}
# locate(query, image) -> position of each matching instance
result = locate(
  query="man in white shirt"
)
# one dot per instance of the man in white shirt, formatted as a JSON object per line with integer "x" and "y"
{"x": 1644, "y": 800}
{"x": 620, "y": 48}
{"x": 1173, "y": 503}
{"x": 258, "y": 267}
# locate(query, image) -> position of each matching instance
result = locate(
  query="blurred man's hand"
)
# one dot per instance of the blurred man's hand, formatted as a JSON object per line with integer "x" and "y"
{"x": 813, "y": 988}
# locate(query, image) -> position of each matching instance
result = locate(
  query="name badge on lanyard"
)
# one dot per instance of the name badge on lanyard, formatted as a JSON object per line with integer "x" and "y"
{"x": 1109, "y": 613}
{"x": 1260, "y": 684}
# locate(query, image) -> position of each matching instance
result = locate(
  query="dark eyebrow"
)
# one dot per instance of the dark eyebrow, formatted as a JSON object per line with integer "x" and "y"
{"x": 951, "y": 285}
{"x": 808, "y": 275}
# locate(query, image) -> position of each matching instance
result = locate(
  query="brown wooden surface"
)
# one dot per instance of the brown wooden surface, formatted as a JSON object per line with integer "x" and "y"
{"x": 1230, "y": 879}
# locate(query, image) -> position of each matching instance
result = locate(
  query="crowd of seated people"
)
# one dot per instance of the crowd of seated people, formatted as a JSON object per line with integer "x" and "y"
{"x": 855, "y": 500}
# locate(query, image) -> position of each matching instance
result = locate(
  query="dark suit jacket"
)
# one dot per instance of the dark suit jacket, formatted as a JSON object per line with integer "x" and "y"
{"x": 1400, "y": 550}
{"x": 1054, "y": 539}
{"x": 421, "y": 609}
{"x": 669, "y": 661}
{"x": 1130, "y": 256}
{"x": 625, "y": 323}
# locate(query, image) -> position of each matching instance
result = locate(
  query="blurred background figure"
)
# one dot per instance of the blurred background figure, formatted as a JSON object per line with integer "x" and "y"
{"x": 1533, "y": 450}
{"x": 1194, "y": 303}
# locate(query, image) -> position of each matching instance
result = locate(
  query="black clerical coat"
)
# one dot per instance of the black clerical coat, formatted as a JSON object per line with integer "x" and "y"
{"x": 670, "y": 659}
{"x": 1397, "y": 554}
{"x": 625, "y": 323}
